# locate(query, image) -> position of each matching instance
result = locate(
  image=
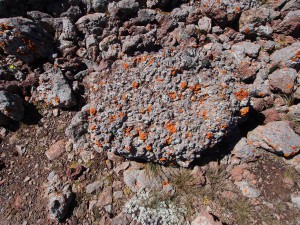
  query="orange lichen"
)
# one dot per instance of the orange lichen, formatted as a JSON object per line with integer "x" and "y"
{"x": 142, "y": 111}
{"x": 188, "y": 135}
{"x": 181, "y": 110}
{"x": 149, "y": 108}
{"x": 159, "y": 79}
{"x": 93, "y": 127}
{"x": 127, "y": 131}
{"x": 143, "y": 135}
{"x": 93, "y": 111}
{"x": 236, "y": 8}
{"x": 99, "y": 144}
{"x": 172, "y": 95}
{"x": 290, "y": 86}
{"x": 242, "y": 94}
{"x": 168, "y": 140}
{"x": 125, "y": 66}
{"x": 148, "y": 147}
{"x": 165, "y": 183}
{"x": 135, "y": 85}
{"x": 113, "y": 118}
{"x": 163, "y": 159}
{"x": 209, "y": 135}
{"x": 56, "y": 99}
{"x": 204, "y": 114}
{"x": 247, "y": 30}
{"x": 127, "y": 148}
{"x": 170, "y": 127}
{"x": 195, "y": 88}
{"x": 244, "y": 111}
{"x": 183, "y": 85}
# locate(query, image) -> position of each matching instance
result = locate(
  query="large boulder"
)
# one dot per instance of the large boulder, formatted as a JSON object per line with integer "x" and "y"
{"x": 11, "y": 108}
{"x": 25, "y": 39}
{"x": 277, "y": 137}
{"x": 164, "y": 107}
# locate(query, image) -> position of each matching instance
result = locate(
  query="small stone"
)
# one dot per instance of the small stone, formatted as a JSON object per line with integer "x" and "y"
{"x": 296, "y": 200}
{"x": 248, "y": 190}
{"x": 205, "y": 25}
{"x": 94, "y": 187}
{"x": 56, "y": 150}
{"x": 105, "y": 197}
{"x": 55, "y": 112}
{"x": 26, "y": 179}
{"x": 118, "y": 194}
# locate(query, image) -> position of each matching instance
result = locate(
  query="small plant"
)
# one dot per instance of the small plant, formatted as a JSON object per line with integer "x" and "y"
{"x": 289, "y": 99}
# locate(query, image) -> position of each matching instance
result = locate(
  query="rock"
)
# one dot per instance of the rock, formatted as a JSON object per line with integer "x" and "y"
{"x": 54, "y": 90}
{"x": 190, "y": 117}
{"x": 123, "y": 9}
{"x": 246, "y": 48}
{"x": 121, "y": 219}
{"x": 205, "y": 25}
{"x": 225, "y": 12}
{"x": 255, "y": 21}
{"x": 296, "y": 200}
{"x": 121, "y": 167}
{"x": 25, "y": 39}
{"x": 294, "y": 112}
{"x": 277, "y": 137}
{"x": 198, "y": 174}
{"x": 56, "y": 150}
{"x": 139, "y": 179}
{"x": 247, "y": 190}
{"x": 59, "y": 203}
{"x": 91, "y": 23}
{"x": 105, "y": 197}
{"x": 94, "y": 187}
{"x": 244, "y": 151}
{"x": 288, "y": 56}
{"x": 271, "y": 115}
{"x": 11, "y": 108}
{"x": 100, "y": 5}
{"x": 283, "y": 80}
{"x": 290, "y": 24}
{"x": 292, "y": 5}
{"x": 205, "y": 218}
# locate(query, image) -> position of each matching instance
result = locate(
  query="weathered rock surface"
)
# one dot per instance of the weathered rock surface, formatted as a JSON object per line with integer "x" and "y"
{"x": 56, "y": 150}
{"x": 164, "y": 113}
{"x": 283, "y": 80}
{"x": 54, "y": 90}
{"x": 277, "y": 137}
{"x": 25, "y": 39}
{"x": 11, "y": 108}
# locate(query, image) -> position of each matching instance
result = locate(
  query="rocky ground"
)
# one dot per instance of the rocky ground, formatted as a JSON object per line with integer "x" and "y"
{"x": 149, "y": 112}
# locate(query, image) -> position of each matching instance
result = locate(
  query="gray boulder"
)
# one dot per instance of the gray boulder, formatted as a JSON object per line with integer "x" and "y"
{"x": 25, "y": 39}
{"x": 11, "y": 107}
{"x": 54, "y": 90}
{"x": 277, "y": 137}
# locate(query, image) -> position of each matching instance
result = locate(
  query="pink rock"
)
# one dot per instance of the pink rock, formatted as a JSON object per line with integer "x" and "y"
{"x": 56, "y": 150}
{"x": 271, "y": 115}
{"x": 237, "y": 173}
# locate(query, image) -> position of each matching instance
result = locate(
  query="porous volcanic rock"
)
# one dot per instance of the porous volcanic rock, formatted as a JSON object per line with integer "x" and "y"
{"x": 164, "y": 107}
{"x": 25, "y": 39}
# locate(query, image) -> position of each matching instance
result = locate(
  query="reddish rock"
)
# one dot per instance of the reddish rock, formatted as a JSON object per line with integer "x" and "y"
{"x": 271, "y": 115}
{"x": 56, "y": 150}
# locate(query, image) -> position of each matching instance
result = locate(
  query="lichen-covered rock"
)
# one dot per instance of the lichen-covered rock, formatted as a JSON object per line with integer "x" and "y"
{"x": 11, "y": 107}
{"x": 288, "y": 56}
{"x": 59, "y": 196}
{"x": 290, "y": 24}
{"x": 226, "y": 11}
{"x": 164, "y": 107}
{"x": 54, "y": 90}
{"x": 24, "y": 39}
{"x": 246, "y": 49}
{"x": 123, "y": 9}
{"x": 277, "y": 137}
{"x": 91, "y": 23}
{"x": 283, "y": 80}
